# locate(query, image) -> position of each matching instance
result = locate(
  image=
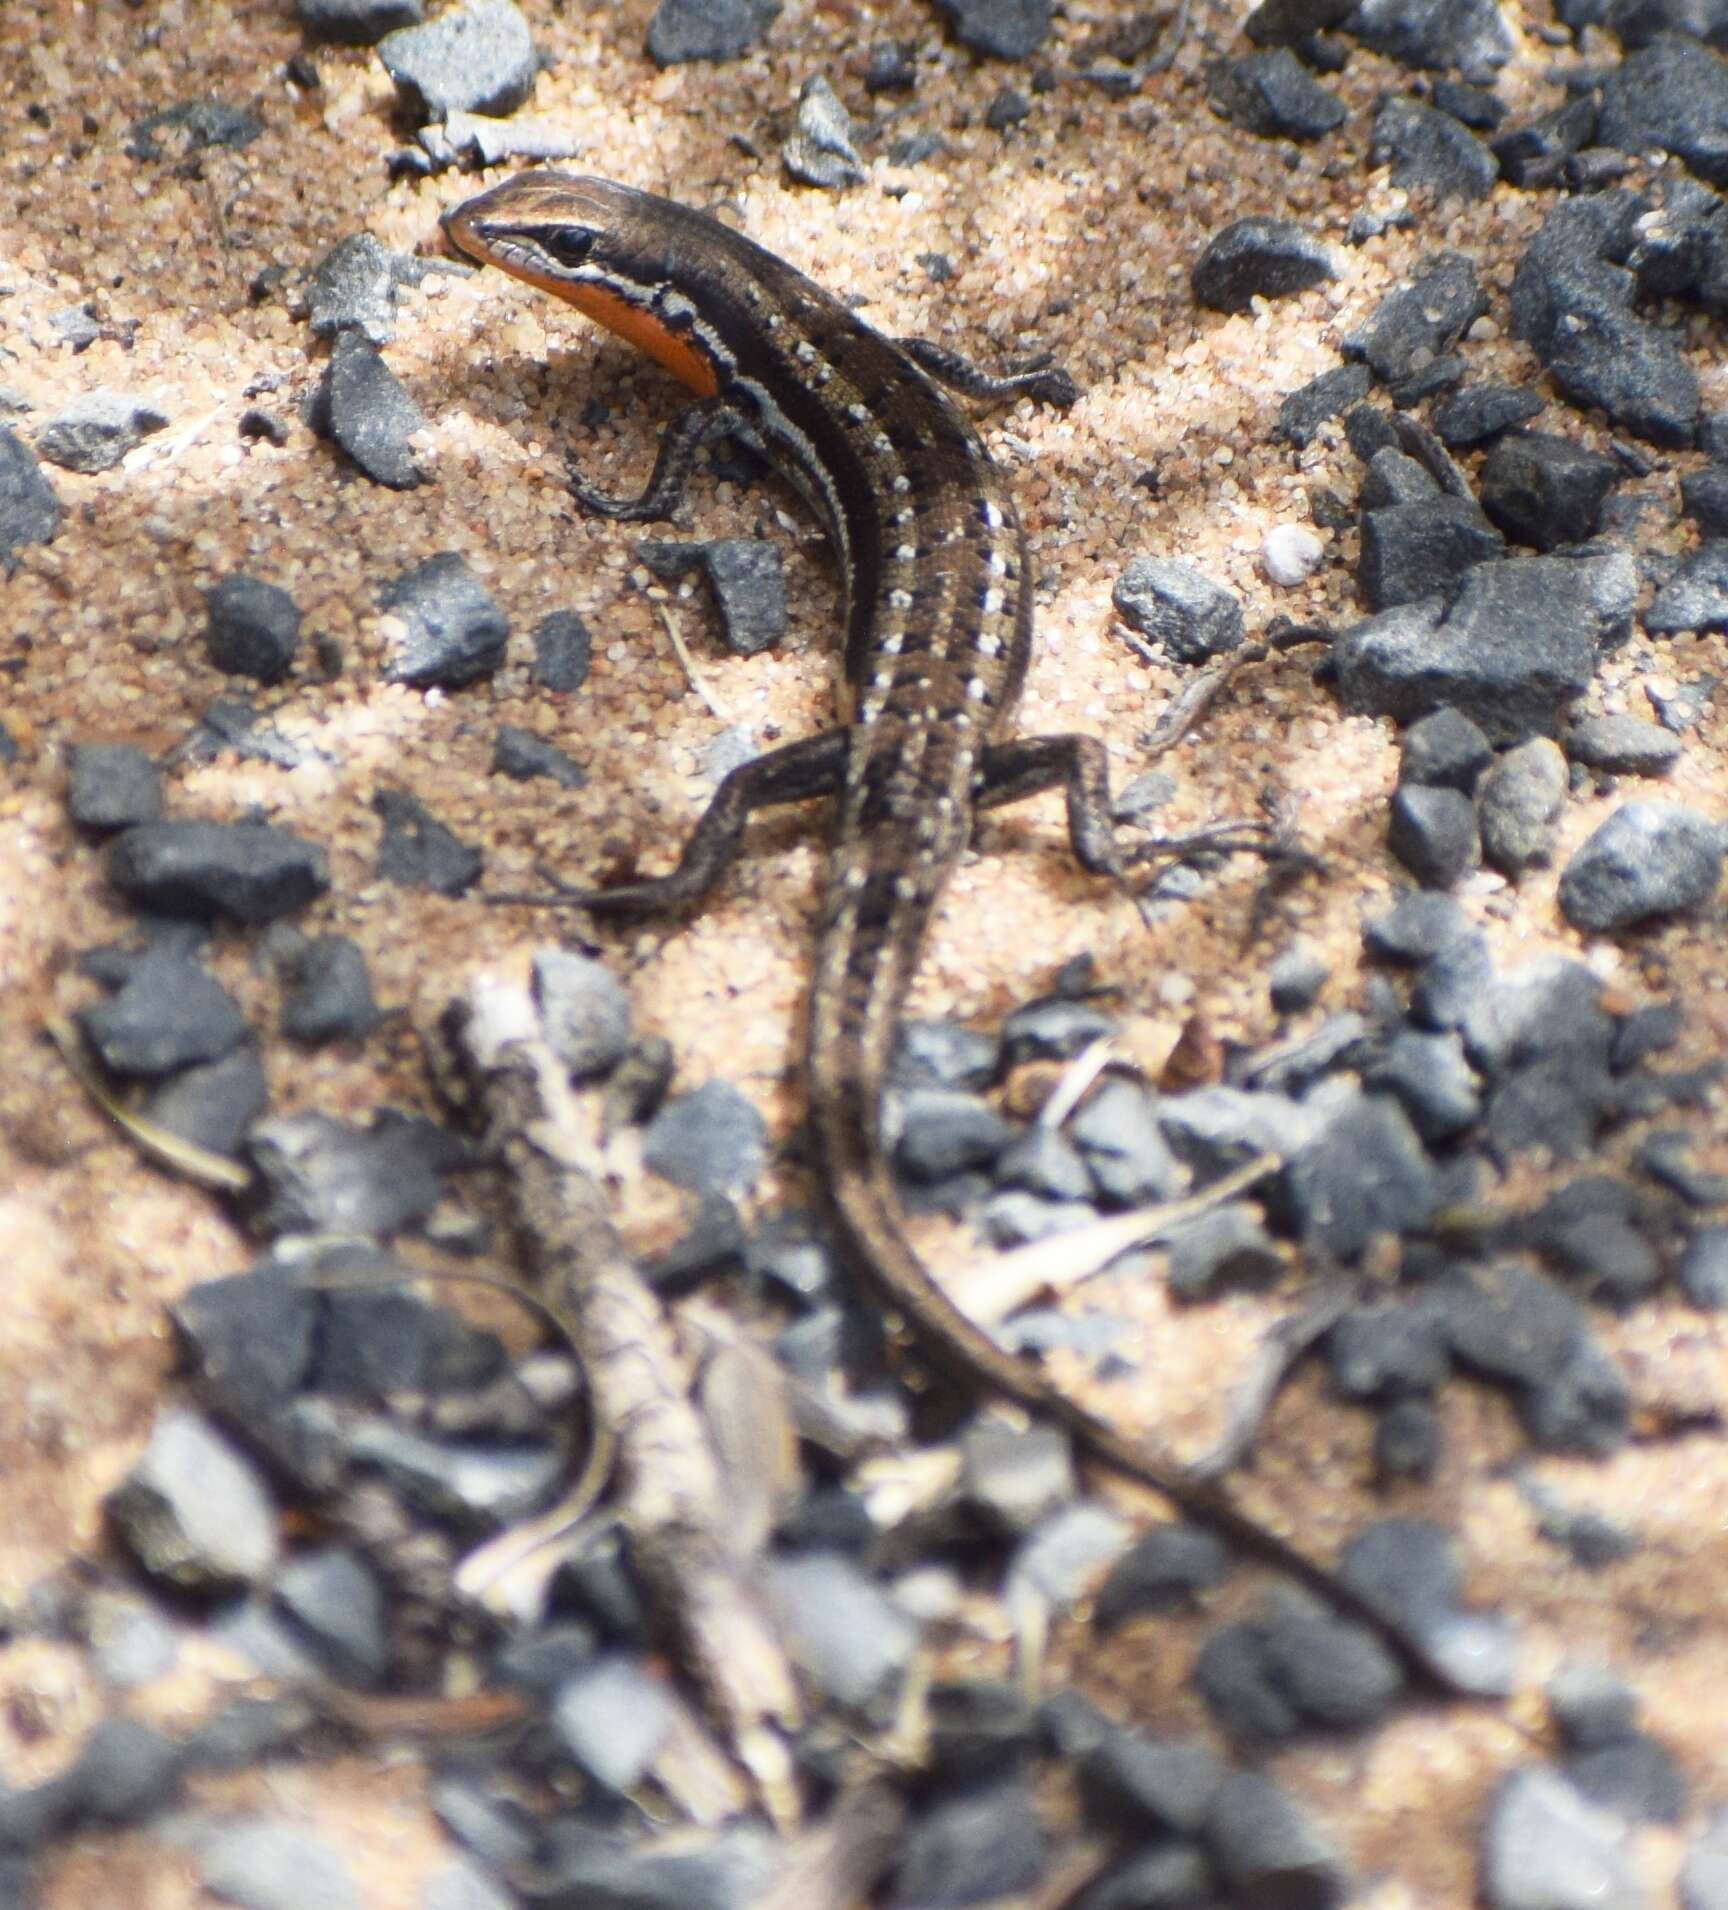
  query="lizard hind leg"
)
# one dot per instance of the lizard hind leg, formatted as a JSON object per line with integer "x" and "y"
{"x": 798, "y": 772}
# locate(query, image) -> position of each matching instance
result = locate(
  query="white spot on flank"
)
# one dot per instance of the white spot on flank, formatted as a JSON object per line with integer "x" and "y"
{"x": 902, "y": 483}
{"x": 859, "y": 414}
{"x": 892, "y": 641}
{"x": 992, "y": 516}
{"x": 854, "y": 878}
{"x": 975, "y": 690}
{"x": 902, "y": 518}
{"x": 998, "y": 564}
{"x": 900, "y": 599}
{"x": 988, "y": 645}
{"x": 992, "y": 602}
{"x": 804, "y": 351}
{"x": 907, "y": 553}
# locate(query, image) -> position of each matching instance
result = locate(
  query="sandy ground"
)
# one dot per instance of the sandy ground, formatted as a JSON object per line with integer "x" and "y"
{"x": 1073, "y": 233}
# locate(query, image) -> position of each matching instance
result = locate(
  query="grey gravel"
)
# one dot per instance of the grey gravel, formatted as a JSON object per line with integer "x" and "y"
{"x": 320, "y": 1175}
{"x": 1259, "y": 258}
{"x": 1412, "y": 551}
{"x": 1164, "y": 1571}
{"x": 248, "y": 871}
{"x": 1648, "y": 859}
{"x": 1444, "y": 748}
{"x": 1545, "y": 1848}
{"x": 613, "y": 1716}
{"x": 973, "y": 1845}
{"x": 95, "y": 431}
{"x": 584, "y": 1010}
{"x": 29, "y": 506}
{"x": 1695, "y": 597}
{"x": 1520, "y": 803}
{"x": 1433, "y": 833}
{"x": 1227, "y": 1246}
{"x": 212, "y": 1105}
{"x": 1118, "y": 1136}
{"x": 112, "y": 786}
{"x": 1703, "y": 1269}
{"x": 1015, "y": 1476}
{"x": 841, "y": 1627}
{"x": 1622, "y": 746}
{"x": 820, "y": 150}
{"x": 335, "y": 1599}
{"x": 418, "y": 851}
{"x": 474, "y": 58}
{"x": 445, "y": 627}
{"x": 331, "y": 998}
{"x": 356, "y": 22}
{"x": 1704, "y": 1875}
{"x": 525, "y": 757}
{"x": 169, "y": 1013}
{"x": 195, "y": 1511}
{"x": 1431, "y": 150}
{"x": 563, "y": 648}
{"x": 684, "y": 30}
{"x": 253, "y": 627}
{"x": 354, "y": 288}
{"x": 1180, "y": 607}
{"x": 260, "y": 1864}
{"x": 361, "y": 406}
{"x": 1519, "y": 641}
{"x": 1267, "y": 1851}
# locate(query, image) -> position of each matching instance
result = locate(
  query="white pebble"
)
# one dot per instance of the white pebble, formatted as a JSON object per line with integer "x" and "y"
{"x": 1290, "y": 553}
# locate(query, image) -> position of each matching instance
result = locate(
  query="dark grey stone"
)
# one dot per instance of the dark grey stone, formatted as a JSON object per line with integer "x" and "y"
{"x": 684, "y": 30}
{"x": 1431, "y": 150}
{"x": 1480, "y": 413}
{"x": 1408, "y": 1438}
{"x": 29, "y": 508}
{"x": 1622, "y": 746}
{"x": 1545, "y": 491}
{"x": 1433, "y": 833}
{"x": 354, "y": 288}
{"x": 213, "y": 1105}
{"x": 711, "y": 1140}
{"x": 970, "y": 1846}
{"x": 169, "y": 1013}
{"x": 1518, "y": 1327}
{"x": 1519, "y": 805}
{"x": 1165, "y": 1571}
{"x": 475, "y": 58}
{"x": 1045, "y": 1162}
{"x": 1704, "y": 1875}
{"x": 112, "y": 786}
{"x": 585, "y": 1012}
{"x": 1704, "y": 497}
{"x": 523, "y": 757}
{"x": 1296, "y": 978}
{"x": 331, "y": 998}
{"x": 1363, "y": 1174}
{"x": 194, "y": 1511}
{"x": 417, "y": 851}
{"x": 1412, "y": 551}
{"x": 356, "y": 22}
{"x": 1329, "y": 396}
{"x": 126, "y": 1772}
{"x": 452, "y": 630}
{"x": 1180, "y": 607}
{"x": 1648, "y": 859}
{"x": 1670, "y": 96}
{"x": 999, "y": 29}
{"x": 1117, "y": 1134}
{"x": 1259, "y": 258}
{"x": 1469, "y": 36}
{"x": 1517, "y": 643}
{"x": 1545, "y": 1848}
{"x": 1572, "y": 300}
{"x": 364, "y": 409}
{"x": 1637, "y": 1779}
{"x": 1386, "y": 1351}
{"x": 1420, "y": 320}
{"x": 1272, "y": 95}
{"x": 95, "y": 431}
{"x": 1227, "y": 1246}
{"x": 1431, "y": 1080}
{"x": 1535, "y": 154}
{"x": 195, "y": 126}
{"x": 563, "y": 648}
{"x": 336, "y": 1601}
{"x": 1703, "y": 1269}
{"x": 251, "y": 872}
{"x": 1444, "y": 749}
{"x": 1394, "y": 477}
{"x": 1407, "y": 1570}
{"x": 1695, "y": 597}
{"x": 1416, "y": 928}
{"x": 1266, "y": 1850}
{"x": 1135, "y": 1782}
{"x": 253, "y": 628}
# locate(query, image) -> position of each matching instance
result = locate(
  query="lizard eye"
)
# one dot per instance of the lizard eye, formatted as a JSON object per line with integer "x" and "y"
{"x": 569, "y": 244}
